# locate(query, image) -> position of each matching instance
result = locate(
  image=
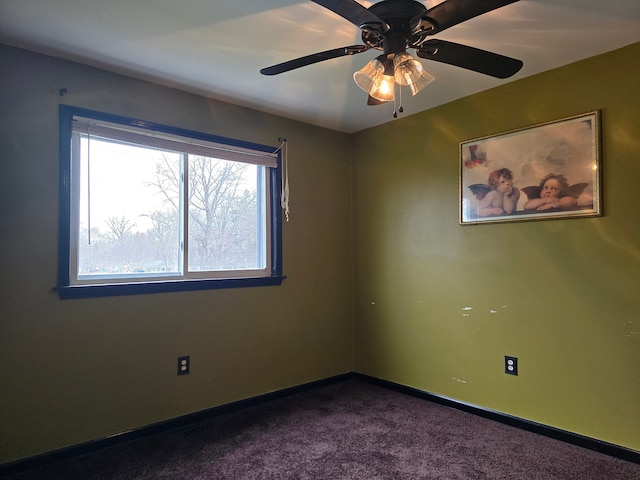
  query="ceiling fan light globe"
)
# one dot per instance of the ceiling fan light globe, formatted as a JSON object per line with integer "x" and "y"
{"x": 409, "y": 72}
{"x": 383, "y": 88}
{"x": 405, "y": 68}
{"x": 421, "y": 82}
{"x": 366, "y": 76}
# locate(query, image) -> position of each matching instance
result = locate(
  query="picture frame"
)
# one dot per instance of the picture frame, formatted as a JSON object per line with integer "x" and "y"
{"x": 546, "y": 171}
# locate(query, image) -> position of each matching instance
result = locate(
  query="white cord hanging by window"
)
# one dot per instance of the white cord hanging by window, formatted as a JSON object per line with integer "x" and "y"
{"x": 89, "y": 186}
{"x": 284, "y": 188}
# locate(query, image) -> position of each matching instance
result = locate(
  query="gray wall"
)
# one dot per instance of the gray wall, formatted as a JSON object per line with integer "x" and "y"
{"x": 77, "y": 370}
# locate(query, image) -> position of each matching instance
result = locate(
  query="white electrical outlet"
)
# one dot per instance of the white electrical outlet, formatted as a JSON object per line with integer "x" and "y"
{"x": 510, "y": 365}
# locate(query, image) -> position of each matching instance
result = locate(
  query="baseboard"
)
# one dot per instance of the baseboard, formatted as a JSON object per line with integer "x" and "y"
{"x": 43, "y": 459}
{"x": 185, "y": 420}
{"x": 552, "y": 432}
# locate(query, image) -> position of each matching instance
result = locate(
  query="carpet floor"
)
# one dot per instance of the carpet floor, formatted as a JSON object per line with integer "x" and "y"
{"x": 347, "y": 430}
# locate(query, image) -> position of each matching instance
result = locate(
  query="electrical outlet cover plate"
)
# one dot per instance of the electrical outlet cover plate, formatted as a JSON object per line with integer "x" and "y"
{"x": 510, "y": 365}
{"x": 184, "y": 363}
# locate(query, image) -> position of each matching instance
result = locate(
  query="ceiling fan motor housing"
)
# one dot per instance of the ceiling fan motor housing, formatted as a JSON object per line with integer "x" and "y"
{"x": 400, "y": 17}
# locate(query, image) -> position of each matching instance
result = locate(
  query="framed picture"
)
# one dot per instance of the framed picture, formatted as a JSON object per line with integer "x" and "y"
{"x": 546, "y": 171}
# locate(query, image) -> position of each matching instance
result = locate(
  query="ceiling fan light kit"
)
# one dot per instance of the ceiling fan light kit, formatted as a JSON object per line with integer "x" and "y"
{"x": 380, "y": 75}
{"x": 393, "y": 26}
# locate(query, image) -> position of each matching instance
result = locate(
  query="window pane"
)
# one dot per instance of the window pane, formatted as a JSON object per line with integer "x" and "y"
{"x": 226, "y": 217}
{"x": 129, "y": 210}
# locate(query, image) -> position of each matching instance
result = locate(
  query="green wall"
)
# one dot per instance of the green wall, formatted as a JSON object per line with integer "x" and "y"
{"x": 78, "y": 370}
{"x": 561, "y": 295}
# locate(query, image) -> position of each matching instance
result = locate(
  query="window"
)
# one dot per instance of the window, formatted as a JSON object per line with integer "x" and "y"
{"x": 150, "y": 208}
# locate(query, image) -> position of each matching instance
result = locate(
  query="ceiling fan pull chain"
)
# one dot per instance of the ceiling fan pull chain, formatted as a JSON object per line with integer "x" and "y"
{"x": 395, "y": 111}
{"x": 400, "y": 108}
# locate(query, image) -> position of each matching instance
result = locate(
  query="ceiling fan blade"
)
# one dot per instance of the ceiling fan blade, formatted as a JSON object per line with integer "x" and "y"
{"x": 354, "y": 12}
{"x": 470, "y": 58}
{"x": 452, "y": 12}
{"x": 313, "y": 58}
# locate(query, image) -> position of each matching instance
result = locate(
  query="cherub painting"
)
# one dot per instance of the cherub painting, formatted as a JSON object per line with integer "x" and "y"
{"x": 555, "y": 165}
{"x": 553, "y": 192}
{"x": 499, "y": 197}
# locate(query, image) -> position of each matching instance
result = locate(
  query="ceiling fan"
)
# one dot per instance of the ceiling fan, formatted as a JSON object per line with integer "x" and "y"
{"x": 393, "y": 26}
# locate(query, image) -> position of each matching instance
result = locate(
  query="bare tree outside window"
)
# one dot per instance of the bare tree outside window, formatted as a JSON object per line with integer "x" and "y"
{"x": 222, "y": 215}
{"x": 222, "y": 211}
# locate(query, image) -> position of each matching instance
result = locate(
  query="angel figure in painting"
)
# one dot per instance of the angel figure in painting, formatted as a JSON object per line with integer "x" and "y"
{"x": 500, "y": 197}
{"x": 553, "y": 193}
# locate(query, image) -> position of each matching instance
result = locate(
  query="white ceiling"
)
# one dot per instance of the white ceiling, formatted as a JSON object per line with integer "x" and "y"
{"x": 217, "y": 47}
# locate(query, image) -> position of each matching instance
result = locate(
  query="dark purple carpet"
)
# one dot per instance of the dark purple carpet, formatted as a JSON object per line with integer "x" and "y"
{"x": 348, "y": 430}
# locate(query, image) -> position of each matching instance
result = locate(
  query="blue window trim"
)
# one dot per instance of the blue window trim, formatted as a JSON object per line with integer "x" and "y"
{"x": 66, "y": 290}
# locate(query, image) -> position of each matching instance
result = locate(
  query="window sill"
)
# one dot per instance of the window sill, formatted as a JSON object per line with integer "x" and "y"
{"x": 118, "y": 289}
